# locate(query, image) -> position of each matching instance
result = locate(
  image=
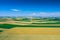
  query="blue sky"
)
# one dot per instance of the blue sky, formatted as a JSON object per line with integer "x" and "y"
{"x": 30, "y": 7}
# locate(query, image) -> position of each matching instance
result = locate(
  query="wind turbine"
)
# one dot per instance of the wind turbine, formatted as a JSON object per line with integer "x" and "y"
{"x": 33, "y": 14}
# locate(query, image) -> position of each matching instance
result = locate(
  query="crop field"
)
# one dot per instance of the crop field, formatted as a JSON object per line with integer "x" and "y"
{"x": 29, "y": 30}
{"x": 29, "y": 37}
{"x": 31, "y": 34}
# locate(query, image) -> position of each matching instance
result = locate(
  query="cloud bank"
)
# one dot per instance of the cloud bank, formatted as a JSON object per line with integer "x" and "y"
{"x": 49, "y": 14}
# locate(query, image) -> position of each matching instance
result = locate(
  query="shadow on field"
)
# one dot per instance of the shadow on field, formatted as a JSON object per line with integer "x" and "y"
{"x": 1, "y": 30}
{"x": 9, "y": 26}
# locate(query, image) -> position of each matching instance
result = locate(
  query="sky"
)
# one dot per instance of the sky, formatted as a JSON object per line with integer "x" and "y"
{"x": 30, "y": 8}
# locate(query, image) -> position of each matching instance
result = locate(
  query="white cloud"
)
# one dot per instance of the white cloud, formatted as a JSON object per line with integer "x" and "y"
{"x": 49, "y": 14}
{"x": 15, "y": 10}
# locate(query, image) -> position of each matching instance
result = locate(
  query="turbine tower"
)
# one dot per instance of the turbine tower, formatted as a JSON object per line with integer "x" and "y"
{"x": 33, "y": 14}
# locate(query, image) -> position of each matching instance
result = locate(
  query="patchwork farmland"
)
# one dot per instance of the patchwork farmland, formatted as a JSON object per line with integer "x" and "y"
{"x": 29, "y": 29}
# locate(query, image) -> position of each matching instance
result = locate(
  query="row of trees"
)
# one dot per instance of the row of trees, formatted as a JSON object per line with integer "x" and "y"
{"x": 29, "y": 19}
{"x": 51, "y": 18}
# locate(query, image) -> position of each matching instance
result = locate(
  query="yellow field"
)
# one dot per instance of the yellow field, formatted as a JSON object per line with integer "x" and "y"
{"x": 31, "y": 34}
{"x": 49, "y": 31}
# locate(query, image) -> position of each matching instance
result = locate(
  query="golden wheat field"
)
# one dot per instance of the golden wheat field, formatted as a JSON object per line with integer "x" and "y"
{"x": 31, "y": 34}
{"x": 21, "y": 30}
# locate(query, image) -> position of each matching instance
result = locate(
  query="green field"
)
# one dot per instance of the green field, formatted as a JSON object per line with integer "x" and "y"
{"x": 8, "y": 26}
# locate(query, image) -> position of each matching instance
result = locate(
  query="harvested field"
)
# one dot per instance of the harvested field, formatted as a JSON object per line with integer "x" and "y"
{"x": 49, "y": 31}
{"x": 31, "y": 34}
